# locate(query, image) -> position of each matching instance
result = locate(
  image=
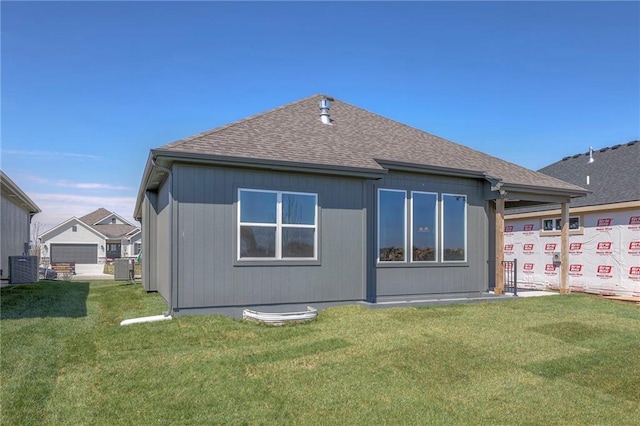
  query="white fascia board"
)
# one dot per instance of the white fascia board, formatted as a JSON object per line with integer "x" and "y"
{"x": 116, "y": 215}
{"x": 133, "y": 232}
{"x": 67, "y": 222}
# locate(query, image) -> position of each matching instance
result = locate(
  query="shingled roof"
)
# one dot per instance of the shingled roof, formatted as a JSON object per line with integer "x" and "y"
{"x": 614, "y": 175}
{"x": 356, "y": 139}
{"x": 110, "y": 230}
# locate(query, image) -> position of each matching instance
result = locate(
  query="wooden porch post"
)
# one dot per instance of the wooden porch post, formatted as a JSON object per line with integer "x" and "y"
{"x": 499, "y": 288}
{"x": 564, "y": 250}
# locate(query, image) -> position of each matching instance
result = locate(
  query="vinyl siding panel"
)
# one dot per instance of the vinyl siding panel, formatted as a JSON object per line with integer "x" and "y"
{"x": 149, "y": 234}
{"x": 441, "y": 277}
{"x": 209, "y": 275}
{"x": 163, "y": 257}
{"x": 15, "y": 232}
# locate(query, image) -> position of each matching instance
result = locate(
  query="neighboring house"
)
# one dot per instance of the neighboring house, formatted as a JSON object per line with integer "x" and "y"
{"x": 17, "y": 210}
{"x": 604, "y": 249}
{"x": 306, "y": 205}
{"x": 91, "y": 239}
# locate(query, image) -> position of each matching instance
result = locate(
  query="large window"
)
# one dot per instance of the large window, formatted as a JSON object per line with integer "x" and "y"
{"x": 391, "y": 225}
{"x": 277, "y": 225}
{"x": 424, "y": 232}
{"x": 454, "y": 227}
{"x": 436, "y": 229}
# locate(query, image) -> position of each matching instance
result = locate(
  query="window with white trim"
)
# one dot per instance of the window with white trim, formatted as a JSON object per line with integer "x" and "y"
{"x": 454, "y": 228}
{"x": 436, "y": 229}
{"x": 555, "y": 224}
{"x": 392, "y": 228}
{"x": 277, "y": 225}
{"x": 424, "y": 226}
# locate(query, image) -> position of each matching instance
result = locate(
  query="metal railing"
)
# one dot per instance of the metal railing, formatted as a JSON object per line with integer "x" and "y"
{"x": 510, "y": 269}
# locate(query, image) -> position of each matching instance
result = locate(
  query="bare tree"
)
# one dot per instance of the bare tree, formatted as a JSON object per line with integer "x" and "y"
{"x": 36, "y": 245}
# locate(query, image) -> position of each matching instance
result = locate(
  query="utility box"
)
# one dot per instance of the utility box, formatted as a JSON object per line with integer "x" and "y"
{"x": 123, "y": 269}
{"x": 557, "y": 258}
{"x": 23, "y": 269}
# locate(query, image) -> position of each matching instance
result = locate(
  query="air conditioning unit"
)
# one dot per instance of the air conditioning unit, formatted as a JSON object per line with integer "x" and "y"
{"x": 23, "y": 269}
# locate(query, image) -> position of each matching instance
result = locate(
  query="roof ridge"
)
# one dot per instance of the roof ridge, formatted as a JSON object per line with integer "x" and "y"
{"x": 603, "y": 149}
{"x": 179, "y": 142}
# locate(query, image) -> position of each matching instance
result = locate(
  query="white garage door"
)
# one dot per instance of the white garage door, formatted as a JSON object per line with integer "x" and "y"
{"x": 79, "y": 253}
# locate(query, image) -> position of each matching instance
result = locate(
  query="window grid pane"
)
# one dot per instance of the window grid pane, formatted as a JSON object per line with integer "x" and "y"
{"x": 298, "y": 209}
{"x": 298, "y": 242}
{"x": 391, "y": 225}
{"x": 424, "y": 227}
{"x": 258, "y": 207}
{"x": 454, "y": 227}
{"x": 257, "y": 241}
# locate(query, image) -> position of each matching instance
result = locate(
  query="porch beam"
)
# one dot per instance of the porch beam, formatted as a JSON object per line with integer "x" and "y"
{"x": 499, "y": 284}
{"x": 564, "y": 250}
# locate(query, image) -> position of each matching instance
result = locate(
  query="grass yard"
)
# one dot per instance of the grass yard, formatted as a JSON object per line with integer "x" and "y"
{"x": 547, "y": 360}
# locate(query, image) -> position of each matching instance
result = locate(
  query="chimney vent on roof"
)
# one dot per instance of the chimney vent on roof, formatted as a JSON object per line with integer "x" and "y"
{"x": 325, "y": 104}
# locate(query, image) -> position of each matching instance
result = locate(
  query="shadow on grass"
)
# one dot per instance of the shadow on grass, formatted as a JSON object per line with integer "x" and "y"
{"x": 290, "y": 353}
{"x": 55, "y": 299}
{"x": 570, "y": 331}
{"x": 612, "y": 371}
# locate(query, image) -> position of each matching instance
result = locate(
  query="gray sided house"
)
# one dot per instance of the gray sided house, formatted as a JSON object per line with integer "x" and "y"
{"x": 17, "y": 210}
{"x": 321, "y": 202}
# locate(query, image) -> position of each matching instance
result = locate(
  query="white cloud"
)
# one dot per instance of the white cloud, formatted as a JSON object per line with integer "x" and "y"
{"x": 77, "y": 185}
{"x": 80, "y": 185}
{"x": 56, "y": 208}
{"x": 49, "y": 154}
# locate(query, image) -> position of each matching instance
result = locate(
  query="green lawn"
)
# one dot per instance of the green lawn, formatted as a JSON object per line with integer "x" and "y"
{"x": 549, "y": 360}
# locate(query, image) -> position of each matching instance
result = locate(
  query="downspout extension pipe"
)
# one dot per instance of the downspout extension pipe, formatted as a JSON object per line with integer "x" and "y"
{"x": 170, "y": 183}
{"x": 164, "y": 317}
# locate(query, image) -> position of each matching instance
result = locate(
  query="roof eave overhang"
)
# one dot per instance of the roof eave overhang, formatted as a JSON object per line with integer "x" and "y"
{"x": 546, "y": 190}
{"x": 436, "y": 170}
{"x": 15, "y": 192}
{"x": 498, "y": 186}
{"x": 165, "y": 160}
{"x": 259, "y": 163}
{"x": 554, "y": 210}
{"x": 144, "y": 186}
{"x": 133, "y": 232}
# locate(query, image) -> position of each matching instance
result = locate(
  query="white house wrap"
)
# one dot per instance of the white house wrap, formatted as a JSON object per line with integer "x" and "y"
{"x": 604, "y": 254}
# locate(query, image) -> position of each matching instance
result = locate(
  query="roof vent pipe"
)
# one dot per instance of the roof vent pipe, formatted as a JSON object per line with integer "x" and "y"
{"x": 325, "y": 104}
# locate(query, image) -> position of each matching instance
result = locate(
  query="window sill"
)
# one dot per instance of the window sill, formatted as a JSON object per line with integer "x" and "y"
{"x": 277, "y": 262}
{"x": 559, "y": 233}
{"x": 451, "y": 264}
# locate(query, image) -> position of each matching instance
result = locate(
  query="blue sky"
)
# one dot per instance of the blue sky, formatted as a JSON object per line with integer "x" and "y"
{"x": 88, "y": 88}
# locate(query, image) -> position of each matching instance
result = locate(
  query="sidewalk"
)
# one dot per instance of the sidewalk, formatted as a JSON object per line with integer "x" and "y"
{"x": 531, "y": 293}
